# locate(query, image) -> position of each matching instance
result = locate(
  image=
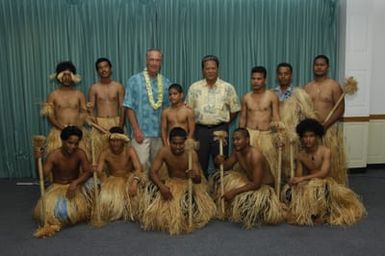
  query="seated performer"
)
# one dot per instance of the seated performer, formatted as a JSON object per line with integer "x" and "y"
{"x": 119, "y": 195}
{"x": 313, "y": 196}
{"x": 66, "y": 201}
{"x": 166, "y": 205}
{"x": 249, "y": 193}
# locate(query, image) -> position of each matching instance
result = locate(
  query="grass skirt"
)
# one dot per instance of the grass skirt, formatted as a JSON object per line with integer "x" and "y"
{"x": 322, "y": 199}
{"x": 334, "y": 140}
{"x": 172, "y": 216}
{"x": 252, "y": 208}
{"x": 292, "y": 111}
{"x": 100, "y": 139}
{"x": 115, "y": 202}
{"x": 264, "y": 141}
{"x": 61, "y": 211}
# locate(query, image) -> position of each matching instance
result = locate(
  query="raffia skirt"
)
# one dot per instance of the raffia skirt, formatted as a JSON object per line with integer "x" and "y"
{"x": 322, "y": 199}
{"x": 61, "y": 211}
{"x": 252, "y": 208}
{"x": 334, "y": 139}
{"x": 115, "y": 201}
{"x": 172, "y": 216}
{"x": 292, "y": 111}
{"x": 264, "y": 141}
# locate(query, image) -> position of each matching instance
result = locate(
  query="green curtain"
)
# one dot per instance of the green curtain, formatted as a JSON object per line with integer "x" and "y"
{"x": 36, "y": 34}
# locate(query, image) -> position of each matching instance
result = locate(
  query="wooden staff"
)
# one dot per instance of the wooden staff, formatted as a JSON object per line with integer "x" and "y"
{"x": 291, "y": 159}
{"x": 46, "y": 229}
{"x": 350, "y": 88}
{"x": 98, "y": 127}
{"x": 96, "y": 220}
{"x": 221, "y": 136}
{"x": 38, "y": 141}
{"x": 279, "y": 172}
{"x": 190, "y": 145}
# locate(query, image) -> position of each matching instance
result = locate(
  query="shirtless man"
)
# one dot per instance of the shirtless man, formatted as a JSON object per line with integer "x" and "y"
{"x": 177, "y": 115}
{"x": 251, "y": 185}
{"x": 324, "y": 93}
{"x": 105, "y": 102}
{"x": 172, "y": 194}
{"x": 65, "y": 200}
{"x": 316, "y": 197}
{"x": 125, "y": 171}
{"x": 259, "y": 108}
{"x": 65, "y": 105}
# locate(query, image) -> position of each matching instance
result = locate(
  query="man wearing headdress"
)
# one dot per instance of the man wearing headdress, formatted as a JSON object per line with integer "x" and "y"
{"x": 65, "y": 106}
{"x": 119, "y": 195}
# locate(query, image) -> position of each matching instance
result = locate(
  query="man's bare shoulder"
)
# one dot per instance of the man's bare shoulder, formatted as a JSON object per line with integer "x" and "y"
{"x": 271, "y": 95}
{"x": 117, "y": 84}
{"x": 166, "y": 111}
{"x": 246, "y": 96}
{"x": 324, "y": 150}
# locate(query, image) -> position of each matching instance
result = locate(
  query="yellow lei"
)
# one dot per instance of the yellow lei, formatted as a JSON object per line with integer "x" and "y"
{"x": 147, "y": 80}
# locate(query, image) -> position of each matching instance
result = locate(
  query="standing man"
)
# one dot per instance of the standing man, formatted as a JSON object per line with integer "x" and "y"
{"x": 284, "y": 77}
{"x": 260, "y": 107}
{"x": 65, "y": 106}
{"x": 146, "y": 96}
{"x": 324, "y": 93}
{"x": 105, "y": 103}
{"x": 215, "y": 104}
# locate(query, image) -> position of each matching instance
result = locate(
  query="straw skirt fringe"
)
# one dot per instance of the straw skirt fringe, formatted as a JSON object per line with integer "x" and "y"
{"x": 322, "y": 199}
{"x": 252, "y": 208}
{"x": 172, "y": 216}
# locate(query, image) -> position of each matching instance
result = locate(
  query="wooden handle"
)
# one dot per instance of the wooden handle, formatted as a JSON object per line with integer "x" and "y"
{"x": 334, "y": 108}
{"x": 279, "y": 173}
{"x": 95, "y": 179}
{"x": 291, "y": 160}
{"x": 222, "y": 174}
{"x": 190, "y": 189}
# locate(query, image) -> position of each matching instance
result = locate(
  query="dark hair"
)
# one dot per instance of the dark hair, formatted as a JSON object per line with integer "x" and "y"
{"x": 286, "y": 65}
{"x": 259, "y": 69}
{"x": 243, "y": 131}
{"x": 177, "y": 132}
{"x": 321, "y": 57}
{"x": 65, "y": 65}
{"x": 116, "y": 129}
{"x": 208, "y": 58}
{"x": 69, "y": 131}
{"x": 310, "y": 125}
{"x": 98, "y": 61}
{"x": 176, "y": 87}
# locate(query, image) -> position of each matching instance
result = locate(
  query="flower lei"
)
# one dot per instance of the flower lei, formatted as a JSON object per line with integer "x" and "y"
{"x": 150, "y": 95}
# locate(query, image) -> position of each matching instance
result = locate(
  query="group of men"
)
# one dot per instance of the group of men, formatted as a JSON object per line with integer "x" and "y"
{"x": 160, "y": 177}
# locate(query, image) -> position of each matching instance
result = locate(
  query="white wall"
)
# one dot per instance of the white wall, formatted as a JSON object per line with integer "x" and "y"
{"x": 377, "y": 86}
{"x": 364, "y": 57}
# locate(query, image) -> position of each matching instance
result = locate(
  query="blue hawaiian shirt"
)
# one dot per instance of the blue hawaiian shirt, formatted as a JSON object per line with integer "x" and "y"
{"x": 136, "y": 98}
